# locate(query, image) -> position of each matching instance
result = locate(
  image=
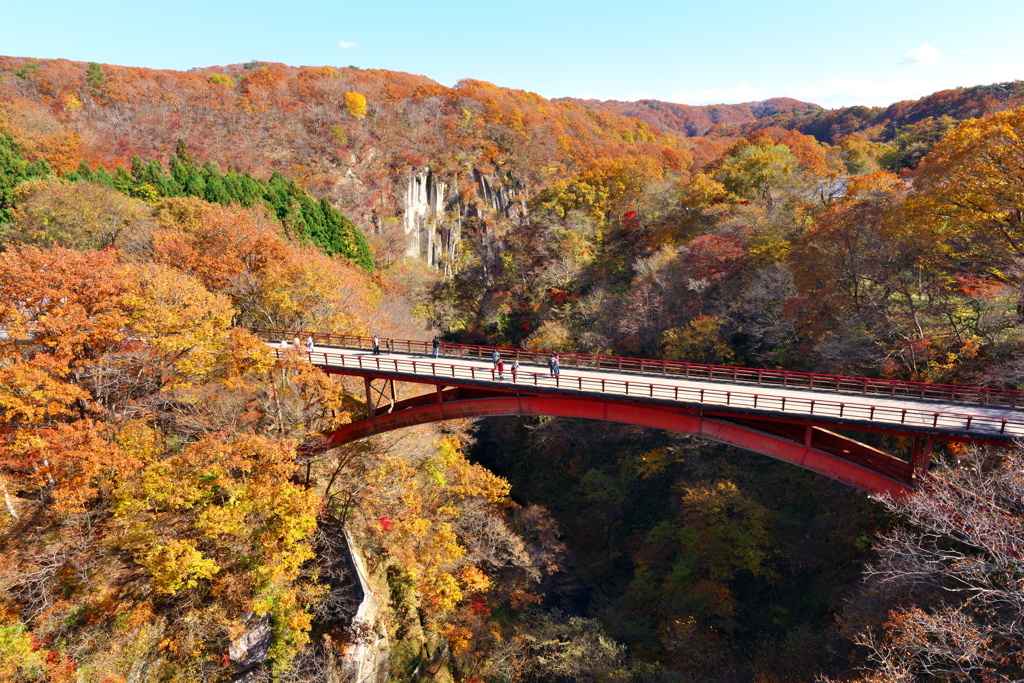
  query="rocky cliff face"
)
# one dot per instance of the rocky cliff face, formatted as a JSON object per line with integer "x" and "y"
{"x": 437, "y": 209}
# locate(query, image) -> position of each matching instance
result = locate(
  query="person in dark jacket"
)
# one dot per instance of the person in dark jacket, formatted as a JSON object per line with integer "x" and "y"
{"x": 437, "y": 346}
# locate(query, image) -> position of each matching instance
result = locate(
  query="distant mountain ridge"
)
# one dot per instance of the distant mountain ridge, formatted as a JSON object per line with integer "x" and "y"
{"x": 699, "y": 120}
{"x": 826, "y": 125}
{"x": 958, "y": 103}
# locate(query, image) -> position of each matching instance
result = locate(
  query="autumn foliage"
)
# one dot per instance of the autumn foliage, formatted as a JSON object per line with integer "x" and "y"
{"x": 163, "y": 490}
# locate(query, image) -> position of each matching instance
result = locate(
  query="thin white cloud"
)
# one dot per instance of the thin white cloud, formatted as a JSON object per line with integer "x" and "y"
{"x": 963, "y": 52}
{"x": 633, "y": 97}
{"x": 743, "y": 92}
{"x": 839, "y": 92}
{"x": 346, "y": 44}
{"x": 588, "y": 96}
{"x": 923, "y": 55}
{"x": 997, "y": 73}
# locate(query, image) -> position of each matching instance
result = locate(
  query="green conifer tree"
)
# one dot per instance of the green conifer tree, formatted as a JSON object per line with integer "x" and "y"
{"x": 96, "y": 79}
{"x": 195, "y": 186}
{"x": 154, "y": 174}
{"x": 138, "y": 168}
{"x": 15, "y": 169}
{"x": 102, "y": 176}
{"x": 184, "y": 156}
{"x": 123, "y": 181}
{"x": 179, "y": 172}
{"x": 84, "y": 172}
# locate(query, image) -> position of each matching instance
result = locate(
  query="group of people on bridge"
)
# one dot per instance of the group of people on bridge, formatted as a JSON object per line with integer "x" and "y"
{"x": 298, "y": 344}
{"x": 554, "y": 365}
{"x": 376, "y": 345}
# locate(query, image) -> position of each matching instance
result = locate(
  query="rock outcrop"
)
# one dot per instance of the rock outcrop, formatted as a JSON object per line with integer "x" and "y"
{"x": 437, "y": 209}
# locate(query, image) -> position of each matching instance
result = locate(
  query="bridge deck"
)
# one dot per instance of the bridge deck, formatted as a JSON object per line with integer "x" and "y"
{"x": 968, "y": 420}
{"x": 648, "y": 367}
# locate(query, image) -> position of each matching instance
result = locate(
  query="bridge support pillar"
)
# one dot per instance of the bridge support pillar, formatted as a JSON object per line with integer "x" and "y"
{"x": 374, "y": 396}
{"x": 369, "y": 398}
{"x": 921, "y": 457}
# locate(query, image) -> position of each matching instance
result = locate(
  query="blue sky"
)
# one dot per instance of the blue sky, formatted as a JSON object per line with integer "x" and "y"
{"x": 832, "y": 53}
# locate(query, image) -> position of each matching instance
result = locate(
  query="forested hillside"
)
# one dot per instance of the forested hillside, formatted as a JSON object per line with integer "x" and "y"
{"x": 160, "y": 511}
{"x": 695, "y": 120}
{"x": 348, "y": 133}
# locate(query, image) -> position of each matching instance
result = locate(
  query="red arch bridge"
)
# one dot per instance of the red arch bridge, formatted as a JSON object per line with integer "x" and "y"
{"x": 791, "y": 416}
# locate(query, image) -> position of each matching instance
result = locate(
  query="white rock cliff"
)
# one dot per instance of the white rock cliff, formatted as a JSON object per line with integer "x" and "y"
{"x": 435, "y": 212}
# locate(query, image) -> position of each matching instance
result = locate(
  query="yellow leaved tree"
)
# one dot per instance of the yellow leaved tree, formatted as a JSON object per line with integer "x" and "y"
{"x": 968, "y": 194}
{"x": 356, "y": 104}
{"x": 417, "y": 508}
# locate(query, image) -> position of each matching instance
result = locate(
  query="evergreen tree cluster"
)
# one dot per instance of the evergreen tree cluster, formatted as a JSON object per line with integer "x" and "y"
{"x": 303, "y": 216}
{"x": 15, "y": 169}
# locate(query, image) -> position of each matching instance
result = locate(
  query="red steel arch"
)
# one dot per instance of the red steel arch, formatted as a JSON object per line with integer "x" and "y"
{"x": 830, "y": 456}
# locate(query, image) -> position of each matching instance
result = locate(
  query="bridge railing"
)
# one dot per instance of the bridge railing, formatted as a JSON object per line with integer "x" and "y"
{"x": 971, "y": 424}
{"x": 726, "y": 373}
